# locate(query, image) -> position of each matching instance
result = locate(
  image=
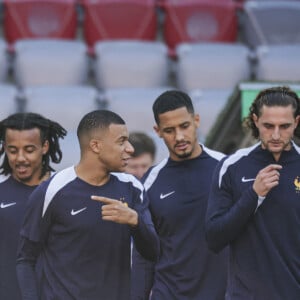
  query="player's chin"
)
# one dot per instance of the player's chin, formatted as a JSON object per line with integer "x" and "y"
{"x": 276, "y": 149}
{"x": 183, "y": 154}
{"x": 123, "y": 164}
{"x": 25, "y": 178}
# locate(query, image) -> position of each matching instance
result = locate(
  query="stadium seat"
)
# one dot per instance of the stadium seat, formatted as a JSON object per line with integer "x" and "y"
{"x": 211, "y": 65}
{"x": 4, "y": 61}
{"x": 278, "y": 63}
{"x": 49, "y": 61}
{"x": 39, "y": 19}
{"x": 199, "y": 20}
{"x": 271, "y": 22}
{"x": 134, "y": 105}
{"x": 122, "y": 64}
{"x": 119, "y": 19}
{"x": 66, "y": 105}
{"x": 209, "y": 103}
{"x": 9, "y": 100}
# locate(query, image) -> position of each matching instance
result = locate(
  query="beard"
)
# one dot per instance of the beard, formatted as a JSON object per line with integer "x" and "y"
{"x": 281, "y": 146}
{"x": 184, "y": 155}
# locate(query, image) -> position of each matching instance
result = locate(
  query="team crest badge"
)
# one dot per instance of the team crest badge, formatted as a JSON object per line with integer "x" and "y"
{"x": 297, "y": 184}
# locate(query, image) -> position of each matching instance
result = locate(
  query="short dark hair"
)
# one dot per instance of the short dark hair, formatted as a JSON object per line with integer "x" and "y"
{"x": 142, "y": 143}
{"x": 49, "y": 131}
{"x": 97, "y": 119}
{"x": 171, "y": 100}
{"x": 275, "y": 96}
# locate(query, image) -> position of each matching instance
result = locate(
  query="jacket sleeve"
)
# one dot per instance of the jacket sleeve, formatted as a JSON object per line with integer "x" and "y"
{"x": 144, "y": 235}
{"x": 226, "y": 217}
{"x": 28, "y": 252}
{"x": 32, "y": 236}
{"x": 141, "y": 277}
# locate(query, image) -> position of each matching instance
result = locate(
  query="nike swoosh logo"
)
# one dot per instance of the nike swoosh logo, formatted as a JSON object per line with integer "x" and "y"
{"x": 247, "y": 179}
{"x": 162, "y": 196}
{"x": 2, "y": 205}
{"x": 76, "y": 212}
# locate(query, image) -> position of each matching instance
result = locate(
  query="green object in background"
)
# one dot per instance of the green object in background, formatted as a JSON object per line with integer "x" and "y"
{"x": 250, "y": 90}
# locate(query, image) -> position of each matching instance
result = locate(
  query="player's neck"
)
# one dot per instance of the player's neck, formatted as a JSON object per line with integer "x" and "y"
{"x": 32, "y": 181}
{"x": 92, "y": 175}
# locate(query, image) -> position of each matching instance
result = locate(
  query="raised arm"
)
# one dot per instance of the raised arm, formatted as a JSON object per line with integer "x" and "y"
{"x": 140, "y": 222}
{"x": 227, "y": 217}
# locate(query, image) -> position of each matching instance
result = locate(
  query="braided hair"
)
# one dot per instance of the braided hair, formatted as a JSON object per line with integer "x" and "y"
{"x": 49, "y": 131}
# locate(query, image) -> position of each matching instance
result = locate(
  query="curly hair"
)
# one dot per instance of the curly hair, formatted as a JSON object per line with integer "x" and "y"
{"x": 275, "y": 96}
{"x": 49, "y": 131}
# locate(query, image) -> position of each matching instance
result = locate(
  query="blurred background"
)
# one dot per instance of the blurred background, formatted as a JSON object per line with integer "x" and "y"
{"x": 64, "y": 58}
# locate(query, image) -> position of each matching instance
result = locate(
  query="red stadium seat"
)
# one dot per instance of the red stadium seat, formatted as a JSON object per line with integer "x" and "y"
{"x": 199, "y": 20}
{"x": 119, "y": 19}
{"x": 39, "y": 19}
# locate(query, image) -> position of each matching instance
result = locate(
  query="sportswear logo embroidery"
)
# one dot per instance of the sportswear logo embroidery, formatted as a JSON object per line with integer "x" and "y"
{"x": 162, "y": 196}
{"x": 76, "y": 212}
{"x": 247, "y": 179}
{"x": 2, "y": 205}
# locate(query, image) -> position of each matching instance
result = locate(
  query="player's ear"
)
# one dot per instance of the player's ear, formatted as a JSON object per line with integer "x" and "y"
{"x": 255, "y": 119}
{"x": 95, "y": 145}
{"x": 45, "y": 147}
{"x": 297, "y": 121}
{"x": 197, "y": 120}
{"x": 157, "y": 130}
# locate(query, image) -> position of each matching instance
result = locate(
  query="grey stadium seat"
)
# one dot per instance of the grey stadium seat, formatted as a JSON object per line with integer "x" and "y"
{"x": 278, "y": 63}
{"x": 211, "y": 65}
{"x": 50, "y": 61}
{"x": 134, "y": 105}
{"x": 121, "y": 64}
{"x": 271, "y": 22}
{"x": 63, "y": 104}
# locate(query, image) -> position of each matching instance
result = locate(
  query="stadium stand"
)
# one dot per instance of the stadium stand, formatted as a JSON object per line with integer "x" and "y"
{"x": 271, "y": 22}
{"x": 199, "y": 20}
{"x": 121, "y": 64}
{"x": 39, "y": 19}
{"x": 119, "y": 19}
{"x": 65, "y": 104}
{"x": 8, "y": 100}
{"x": 50, "y": 61}
{"x": 134, "y": 105}
{"x": 211, "y": 65}
{"x": 278, "y": 63}
{"x": 214, "y": 42}
{"x": 4, "y": 61}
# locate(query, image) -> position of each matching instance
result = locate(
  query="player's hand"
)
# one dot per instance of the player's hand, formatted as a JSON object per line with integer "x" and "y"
{"x": 117, "y": 211}
{"x": 266, "y": 179}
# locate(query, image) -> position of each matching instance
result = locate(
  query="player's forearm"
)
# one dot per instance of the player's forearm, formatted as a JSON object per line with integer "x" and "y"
{"x": 26, "y": 261}
{"x": 27, "y": 280}
{"x": 145, "y": 237}
{"x": 224, "y": 224}
{"x": 142, "y": 275}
